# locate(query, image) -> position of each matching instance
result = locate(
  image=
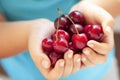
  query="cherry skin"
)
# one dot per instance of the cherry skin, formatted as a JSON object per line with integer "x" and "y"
{"x": 62, "y": 23}
{"x": 61, "y": 34}
{"x": 87, "y": 28}
{"x": 47, "y": 45}
{"x": 77, "y": 17}
{"x": 72, "y": 48}
{"x": 72, "y": 29}
{"x": 94, "y": 32}
{"x": 79, "y": 40}
{"x": 53, "y": 56}
{"x": 60, "y": 46}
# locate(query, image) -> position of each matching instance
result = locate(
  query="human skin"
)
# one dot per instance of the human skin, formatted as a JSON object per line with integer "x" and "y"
{"x": 16, "y": 37}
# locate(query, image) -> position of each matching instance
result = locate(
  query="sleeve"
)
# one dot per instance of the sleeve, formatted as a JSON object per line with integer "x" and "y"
{"x": 1, "y": 9}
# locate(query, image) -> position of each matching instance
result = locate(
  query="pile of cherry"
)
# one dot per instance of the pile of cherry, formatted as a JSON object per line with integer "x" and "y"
{"x": 71, "y": 33}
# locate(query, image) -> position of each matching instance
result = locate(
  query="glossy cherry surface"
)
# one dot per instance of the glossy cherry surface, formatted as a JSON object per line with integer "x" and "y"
{"x": 72, "y": 48}
{"x": 72, "y": 29}
{"x": 53, "y": 56}
{"x": 62, "y": 23}
{"x": 60, "y": 46}
{"x": 77, "y": 17}
{"x": 60, "y": 34}
{"x": 94, "y": 32}
{"x": 47, "y": 45}
{"x": 79, "y": 40}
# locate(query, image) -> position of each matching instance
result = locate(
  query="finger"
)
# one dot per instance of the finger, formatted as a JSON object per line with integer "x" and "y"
{"x": 94, "y": 57}
{"x": 86, "y": 61}
{"x": 101, "y": 48}
{"x": 108, "y": 36}
{"x": 57, "y": 71}
{"x": 40, "y": 59}
{"x": 77, "y": 63}
{"x": 38, "y": 55}
{"x": 68, "y": 63}
{"x": 35, "y": 48}
{"x": 42, "y": 63}
{"x": 82, "y": 66}
{"x": 107, "y": 44}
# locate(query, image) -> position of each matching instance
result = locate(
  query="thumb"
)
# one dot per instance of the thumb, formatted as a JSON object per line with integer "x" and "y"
{"x": 107, "y": 26}
{"x": 39, "y": 57}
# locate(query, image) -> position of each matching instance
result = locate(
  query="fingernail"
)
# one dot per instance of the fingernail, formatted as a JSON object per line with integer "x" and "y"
{"x": 87, "y": 52}
{"x": 90, "y": 45}
{"x": 70, "y": 55}
{"x": 108, "y": 29}
{"x": 83, "y": 59}
{"x": 78, "y": 60}
{"x": 62, "y": 64}
{"x": 45, "y": 64}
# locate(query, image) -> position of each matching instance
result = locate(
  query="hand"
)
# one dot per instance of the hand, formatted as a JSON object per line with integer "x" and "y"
{"x": 96, "y": 52}
{"x": 44, "y": 28}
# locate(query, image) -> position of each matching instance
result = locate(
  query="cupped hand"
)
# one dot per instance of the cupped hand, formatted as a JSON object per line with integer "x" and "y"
{"x": 43, "y": 28}
{"x": 96, "y": 52}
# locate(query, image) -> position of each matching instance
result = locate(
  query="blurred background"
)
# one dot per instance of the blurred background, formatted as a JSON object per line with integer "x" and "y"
{"x": 3, "y": 75}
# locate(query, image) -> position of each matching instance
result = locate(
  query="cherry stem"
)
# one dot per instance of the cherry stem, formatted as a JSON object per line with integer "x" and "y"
{"x": 69, "y": 19}
{"x": 57, "y": 24}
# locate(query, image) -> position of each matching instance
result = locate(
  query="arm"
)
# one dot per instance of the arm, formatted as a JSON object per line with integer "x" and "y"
{"x": 2, "y": 18}
{"x": 13, "y": 37}
{"x": 16, "y": 37}
{"x": 112, "y": 6}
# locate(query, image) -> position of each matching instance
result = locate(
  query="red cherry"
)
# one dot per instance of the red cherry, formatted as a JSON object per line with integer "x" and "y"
{"x": 87, "y": 28}
{"x": 72, "y": 48}
{"x": 60, "y": 46}
{"x": 61, "y": 34}
{"x": 54, "y": 57}
{"x": 79, "y": 40}
{"x": 47, "y": 45}
{"x": 77, "y": 17}
{"x": 94, "y": 32}
{"x": 72, "y": 29}
{"x": 63, "y": 23}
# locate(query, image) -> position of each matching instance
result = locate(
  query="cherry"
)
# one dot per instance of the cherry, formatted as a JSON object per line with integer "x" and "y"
{"x": 53, "y": 56}
{"x": 72, "y": 48}
{"x": 60, "y": 46}
{"x": 62, "y": 23}
{"x": 79, "y": 40}
{"x": 72, "y": 29}
{"x": 77, "y": 17}
{"x": 94, "y": 32}
{"x": 60, "y": 34}
{"x": 87, "y": 28}
{"x": 47, "y": 45}
{"x": 70, "y": 34}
